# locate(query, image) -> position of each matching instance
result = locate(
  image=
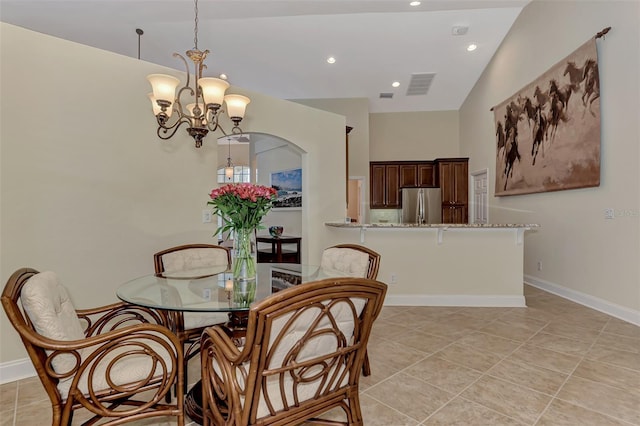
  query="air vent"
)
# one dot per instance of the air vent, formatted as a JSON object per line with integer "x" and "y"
{"x": 420, "y": 83}
{"x": 386, "y": 95}
{"x": 459, "y": 30}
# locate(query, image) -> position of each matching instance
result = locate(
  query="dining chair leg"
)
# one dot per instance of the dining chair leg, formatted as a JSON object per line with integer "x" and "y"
{"x": 366, "y": 367}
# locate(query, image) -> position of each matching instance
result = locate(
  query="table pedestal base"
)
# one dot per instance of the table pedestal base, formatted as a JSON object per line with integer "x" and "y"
{"x": 193, "y": 403}
{"x": 236, "y": 328}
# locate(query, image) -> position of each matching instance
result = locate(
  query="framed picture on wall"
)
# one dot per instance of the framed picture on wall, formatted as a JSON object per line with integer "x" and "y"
{"x": 288, "y": 184}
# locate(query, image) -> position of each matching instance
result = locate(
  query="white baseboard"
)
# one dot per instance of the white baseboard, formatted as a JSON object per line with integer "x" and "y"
{"x": 16, "y": 370}
{"x": 456, "y": 300}
{"x": 609, "y": 308}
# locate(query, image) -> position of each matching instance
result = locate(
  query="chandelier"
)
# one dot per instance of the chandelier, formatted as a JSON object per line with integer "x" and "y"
{"x": 203, "y": 109}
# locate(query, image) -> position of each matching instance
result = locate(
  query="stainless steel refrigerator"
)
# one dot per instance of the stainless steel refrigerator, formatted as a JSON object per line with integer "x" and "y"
{"x": 421, "y": 205}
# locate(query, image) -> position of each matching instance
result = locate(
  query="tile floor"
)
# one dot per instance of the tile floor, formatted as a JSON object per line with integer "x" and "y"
{"x": 552, "y": 363}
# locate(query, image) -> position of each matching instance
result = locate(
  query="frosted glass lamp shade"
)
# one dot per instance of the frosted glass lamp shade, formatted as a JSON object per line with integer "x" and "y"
{"x": 228, "y": 172}
{"x": 154, "y": 105}
{"x": 213, "y": 90}
{"x": 164, "y": 86}
{"x": 236, "y": 105}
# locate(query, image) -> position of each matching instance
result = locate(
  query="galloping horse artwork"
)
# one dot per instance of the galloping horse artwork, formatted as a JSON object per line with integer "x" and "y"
{"x": 555, "y": 121}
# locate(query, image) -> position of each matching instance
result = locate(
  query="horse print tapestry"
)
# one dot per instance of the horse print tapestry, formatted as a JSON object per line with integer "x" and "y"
{"x": 548, "y": 133}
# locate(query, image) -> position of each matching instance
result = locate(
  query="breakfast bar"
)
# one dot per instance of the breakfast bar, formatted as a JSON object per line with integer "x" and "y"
{"x": 445, "y": 264}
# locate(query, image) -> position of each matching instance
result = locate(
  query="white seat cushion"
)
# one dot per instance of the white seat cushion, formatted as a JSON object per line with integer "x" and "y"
{"x": 323, "y": 343}
{"x": 194, "y": 258}
{"x": 47, "y": 304}
{"x": 203, "y": 319}
{"x": 353, "y": 262}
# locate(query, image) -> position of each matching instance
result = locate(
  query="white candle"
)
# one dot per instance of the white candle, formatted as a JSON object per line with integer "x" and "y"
{"x": 228, "y": 285}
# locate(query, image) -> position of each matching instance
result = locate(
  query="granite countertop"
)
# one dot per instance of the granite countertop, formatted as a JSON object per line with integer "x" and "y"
{"x": 432, "y": 225}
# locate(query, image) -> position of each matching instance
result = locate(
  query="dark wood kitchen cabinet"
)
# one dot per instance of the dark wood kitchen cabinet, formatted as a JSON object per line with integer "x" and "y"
{"x": 453, "y": 177}
{"x": 408, "y": 175}
{"x": 385, "y": 185}
{"x": 426, "y": 174}
{"x": 450, "y": 174}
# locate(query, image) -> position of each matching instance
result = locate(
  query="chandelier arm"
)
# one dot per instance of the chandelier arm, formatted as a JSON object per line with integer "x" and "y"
{"x": 186, "y": 67}
{"x": 213, "y": 124}
{"x": 163, "y": 130}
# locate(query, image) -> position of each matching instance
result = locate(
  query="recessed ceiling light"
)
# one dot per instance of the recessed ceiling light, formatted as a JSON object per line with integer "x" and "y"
{"x": 414, "y": 3}
{"x": 331, "y": 60}
{"x": 472, "y": 47}
{"x": 395, "y": 84}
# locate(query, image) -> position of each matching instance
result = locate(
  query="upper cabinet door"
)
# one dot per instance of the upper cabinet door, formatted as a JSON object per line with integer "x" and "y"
{"x": 378, "y": 178}
{"x": 408, "y": 175}
{"x": 393, "y": 186}
{"x": 426, "y": 175}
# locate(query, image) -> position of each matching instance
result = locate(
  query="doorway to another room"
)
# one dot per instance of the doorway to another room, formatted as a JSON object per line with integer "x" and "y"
{"x": 480, "y": 197}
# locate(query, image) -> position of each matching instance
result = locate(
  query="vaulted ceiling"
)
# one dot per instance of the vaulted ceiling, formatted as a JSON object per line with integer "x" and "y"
{"x": 280, "y": 48}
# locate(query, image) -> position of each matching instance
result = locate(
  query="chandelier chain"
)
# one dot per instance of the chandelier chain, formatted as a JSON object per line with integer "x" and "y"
{"x": 195, "y": 29}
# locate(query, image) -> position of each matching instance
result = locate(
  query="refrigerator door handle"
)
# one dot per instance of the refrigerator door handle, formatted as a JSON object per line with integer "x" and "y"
{"x": 420, "y": 206}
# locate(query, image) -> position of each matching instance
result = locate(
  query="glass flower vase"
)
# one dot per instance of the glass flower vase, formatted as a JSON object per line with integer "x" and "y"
{"x": 243, "y": 266}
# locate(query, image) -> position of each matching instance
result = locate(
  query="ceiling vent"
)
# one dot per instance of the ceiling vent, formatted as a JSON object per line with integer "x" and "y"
{"x": 420, "y": 83}
{"x": 459, "y": 30}
{"x": 386, "y": 95}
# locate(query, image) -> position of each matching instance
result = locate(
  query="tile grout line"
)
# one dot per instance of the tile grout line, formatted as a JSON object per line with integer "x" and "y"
{"x": 15, "y": 404}
{"x": 482, "y": 374}
{"x": 583, "y": 357}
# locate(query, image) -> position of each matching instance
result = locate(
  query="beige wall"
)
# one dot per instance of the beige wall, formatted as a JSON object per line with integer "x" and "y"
{"x": 356, "y": 112}
{"x": 413, "y": 135}
{"x": 88, "y": 190}
{"x": 584, "y": 256}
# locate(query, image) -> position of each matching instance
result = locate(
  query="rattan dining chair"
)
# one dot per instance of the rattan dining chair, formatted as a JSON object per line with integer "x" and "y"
{"x": 355, "y": 260}
{"x": 302, "y": 356}
{"x": 116, "y": 361}
{"x": 188, "y": 326}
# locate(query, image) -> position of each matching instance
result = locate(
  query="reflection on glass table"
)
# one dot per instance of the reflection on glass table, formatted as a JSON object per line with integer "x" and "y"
{"x": 205, "y": 290}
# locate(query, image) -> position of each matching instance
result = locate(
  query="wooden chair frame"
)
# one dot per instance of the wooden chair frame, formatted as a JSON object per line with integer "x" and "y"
{"x": 235, "y": 381}
{"x": 174, "y": 320}
{"x": 107, "y": 328}
{"x": 372, "y": 274}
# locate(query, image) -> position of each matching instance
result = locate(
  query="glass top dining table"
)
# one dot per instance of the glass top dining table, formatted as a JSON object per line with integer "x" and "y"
{"x": 203, "y": 290}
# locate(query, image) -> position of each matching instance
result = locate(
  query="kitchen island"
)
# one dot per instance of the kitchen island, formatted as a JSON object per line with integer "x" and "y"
{"x": 445, "y": 264}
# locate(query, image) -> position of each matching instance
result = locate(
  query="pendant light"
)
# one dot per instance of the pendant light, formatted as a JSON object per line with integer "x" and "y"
{"x": 228, "y": 170}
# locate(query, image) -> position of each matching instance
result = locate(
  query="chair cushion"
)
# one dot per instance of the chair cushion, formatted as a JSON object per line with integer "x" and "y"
{"x": 125, "y": 371}
{"x": 280, "y": 351}
{"x": 203, "y": 319}
{"x": 193, "y": 258}
{"x": 47, "y": 304}
{"x": 353, "y": 262}
{"x": 324, "y": 342}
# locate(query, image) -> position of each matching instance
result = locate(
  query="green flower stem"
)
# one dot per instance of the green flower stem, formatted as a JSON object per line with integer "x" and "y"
{"x": 243, "y": 256}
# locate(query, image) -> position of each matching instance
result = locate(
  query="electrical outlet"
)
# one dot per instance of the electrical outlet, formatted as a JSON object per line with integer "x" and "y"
{"x": 394, "y": 278}
{"x": 206, "y": 293}
{"x": 539, "y": 265}
{"x": 206, "y": 216}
